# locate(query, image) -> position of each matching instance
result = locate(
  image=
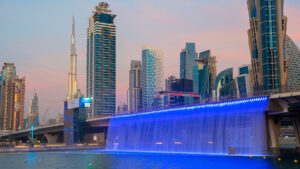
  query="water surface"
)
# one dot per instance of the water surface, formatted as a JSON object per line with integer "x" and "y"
{"x": 113, "y": 160}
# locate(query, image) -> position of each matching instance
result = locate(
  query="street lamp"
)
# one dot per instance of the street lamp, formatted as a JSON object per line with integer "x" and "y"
{"x": 32, "y": 127}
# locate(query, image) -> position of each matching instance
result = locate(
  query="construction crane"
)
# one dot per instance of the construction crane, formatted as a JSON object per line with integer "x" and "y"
{"x": 45, "y": 115}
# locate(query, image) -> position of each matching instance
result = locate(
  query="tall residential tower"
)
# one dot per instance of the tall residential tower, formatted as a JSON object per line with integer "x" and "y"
{"x": 152, "y": 75}
{"x": 267, "y": 35}
{"x": 13, "y": 93}
{"x": 135, "y": 86}
{"x": 101, "y": 61}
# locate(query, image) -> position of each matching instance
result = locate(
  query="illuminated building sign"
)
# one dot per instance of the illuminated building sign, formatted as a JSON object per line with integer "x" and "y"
{"x": 85, "y": 102}
{"x": 76, "y": 103}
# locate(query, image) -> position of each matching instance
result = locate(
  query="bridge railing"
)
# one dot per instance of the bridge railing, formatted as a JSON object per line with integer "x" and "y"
{"x": 258, "y": 92}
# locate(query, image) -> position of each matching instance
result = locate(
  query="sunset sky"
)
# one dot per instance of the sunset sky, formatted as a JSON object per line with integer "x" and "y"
{"x": 35, "y": 35}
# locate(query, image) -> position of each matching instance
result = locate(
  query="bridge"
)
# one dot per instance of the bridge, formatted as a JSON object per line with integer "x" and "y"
{"x": 282, "y": 108}
{"x": 95, "y": 132}
{"x": 49, "y": 134}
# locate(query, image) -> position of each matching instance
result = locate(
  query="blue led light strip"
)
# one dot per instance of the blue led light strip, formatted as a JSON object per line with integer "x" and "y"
{"x": 211, "y": 105}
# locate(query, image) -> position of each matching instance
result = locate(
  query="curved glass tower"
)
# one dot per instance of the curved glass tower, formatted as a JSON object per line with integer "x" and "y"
{"x": 223, "y": 78}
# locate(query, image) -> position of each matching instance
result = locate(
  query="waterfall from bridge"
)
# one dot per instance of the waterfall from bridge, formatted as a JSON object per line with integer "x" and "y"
{"x": 210, "y": 129}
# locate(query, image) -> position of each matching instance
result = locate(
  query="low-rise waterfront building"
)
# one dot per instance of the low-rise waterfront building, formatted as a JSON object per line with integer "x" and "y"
{"x": 166, "y": 99}
{"x": 244, "y": 82}
{"x": 75, "y": 115}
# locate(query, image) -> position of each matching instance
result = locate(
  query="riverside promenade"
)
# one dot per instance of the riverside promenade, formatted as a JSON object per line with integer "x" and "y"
{"x": 50, "y": 147}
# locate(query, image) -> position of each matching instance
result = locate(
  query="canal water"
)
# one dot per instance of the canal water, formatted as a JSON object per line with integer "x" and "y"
{"x": 112, "y": 160}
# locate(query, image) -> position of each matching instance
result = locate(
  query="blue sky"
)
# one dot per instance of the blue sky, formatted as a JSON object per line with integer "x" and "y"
{"x": 35, "y": 35}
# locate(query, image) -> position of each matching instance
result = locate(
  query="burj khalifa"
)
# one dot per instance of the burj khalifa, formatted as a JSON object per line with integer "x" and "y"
{"x": 73, "y": 92}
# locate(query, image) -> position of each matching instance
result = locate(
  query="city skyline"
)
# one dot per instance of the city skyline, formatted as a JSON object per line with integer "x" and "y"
{"x": 40, "y": 62}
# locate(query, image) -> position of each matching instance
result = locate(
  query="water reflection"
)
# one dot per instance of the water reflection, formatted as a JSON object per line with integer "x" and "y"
{"x": 31, "y": 158}
{"x": 112, "y": 160}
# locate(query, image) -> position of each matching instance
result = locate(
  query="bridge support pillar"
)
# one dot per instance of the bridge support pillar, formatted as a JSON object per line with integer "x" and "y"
{"x": 273, "y": 135}
{"x": 51, "y": 138}
{"x": 296, "y": 125}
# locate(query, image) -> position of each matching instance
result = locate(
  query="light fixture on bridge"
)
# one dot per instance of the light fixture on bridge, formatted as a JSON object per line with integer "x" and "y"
{"x": 32, "y": 128}
{"x": 210, "y": 105}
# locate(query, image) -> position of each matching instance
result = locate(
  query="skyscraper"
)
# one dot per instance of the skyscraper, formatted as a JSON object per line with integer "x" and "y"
{"x": 267, "y": 35}
{"x": 73, "y": 92}
{"x": 152, "y": 75}
{"x": 293, "y": 53}
{"x": 33, "y": 116}
{"x": 204, "y": 75}
{"x": 13, "y": 92}
{"x": 101, "y": 61}
{"x": 8, "y": 72}
{"x": 135, "y": 86}
{"x": 188, "y": 56}
{"x": 17, "y": 97}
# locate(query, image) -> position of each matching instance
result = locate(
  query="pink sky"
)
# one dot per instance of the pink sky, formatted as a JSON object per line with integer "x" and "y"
{"x": 42, "y": 54}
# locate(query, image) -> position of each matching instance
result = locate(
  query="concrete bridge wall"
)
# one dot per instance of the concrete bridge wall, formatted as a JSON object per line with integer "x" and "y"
{"x": 277, "y": 113}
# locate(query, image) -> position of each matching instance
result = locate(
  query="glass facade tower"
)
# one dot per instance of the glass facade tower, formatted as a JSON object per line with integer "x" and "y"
{"x": 188, "y": 58}
{"x": 152, "y": 75}
{"x": 204, "y": 76}
{"x": 101, "y": 61}
{"x": 267, "y": 35}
